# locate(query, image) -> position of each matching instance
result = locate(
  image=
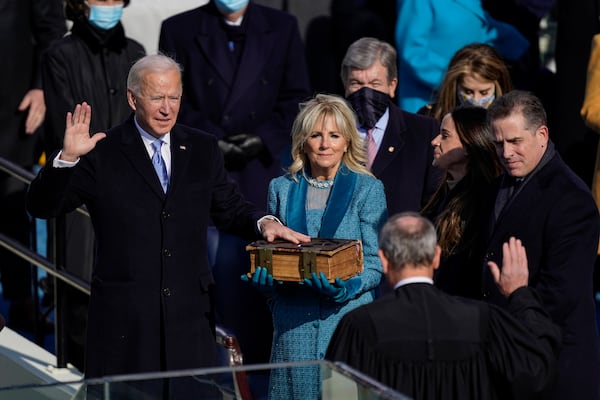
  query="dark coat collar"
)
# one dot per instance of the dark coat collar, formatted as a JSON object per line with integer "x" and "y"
{"x": 134, "y": 150}
{"x": 97, "y": 39}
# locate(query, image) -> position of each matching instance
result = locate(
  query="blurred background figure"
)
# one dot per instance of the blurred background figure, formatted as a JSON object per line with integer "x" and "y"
{"x": 464, "y": 149}
{"x": 91, "y": 64}
{"x": 527, "y": 73}
{"x": 143, "y": 19}
{"x": 576, "y": 142}
{"x": 244, "y": 74}
{"x": 429, "y": 32}
{"x": 475, "y": 76}
{"x": 327, "y": 193}
{"x": 590, "y": 110}
{"x": 27, "y": 28}
{"x": 328, "y": 36}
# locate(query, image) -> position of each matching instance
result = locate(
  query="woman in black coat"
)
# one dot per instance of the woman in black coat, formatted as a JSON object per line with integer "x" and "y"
{"x": 91, "y": 65}
{"x": 464, "y": 149}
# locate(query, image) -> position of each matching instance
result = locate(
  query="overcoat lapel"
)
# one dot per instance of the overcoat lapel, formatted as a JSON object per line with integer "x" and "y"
{"x": 181, "y": 148}
{"x": 213, "y": 44}
{"x": 392, "y": 142}
{"x": 258, "y": 43}
{"x": 515, "y": 211}
{"x": 134, "y": 150}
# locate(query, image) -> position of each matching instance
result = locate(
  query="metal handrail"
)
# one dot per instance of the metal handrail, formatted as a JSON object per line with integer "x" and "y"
{"x": 41, "y": 262}
{"x": 58, "y": 274}
{"x": 26, "y": 177}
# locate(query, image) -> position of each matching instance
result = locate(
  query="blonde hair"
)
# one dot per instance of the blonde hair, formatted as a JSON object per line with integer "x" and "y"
{"x": 311, "y": 116}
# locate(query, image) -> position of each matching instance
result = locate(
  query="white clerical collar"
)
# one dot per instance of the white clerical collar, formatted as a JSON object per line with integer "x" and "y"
{"x": 414, "y": 279}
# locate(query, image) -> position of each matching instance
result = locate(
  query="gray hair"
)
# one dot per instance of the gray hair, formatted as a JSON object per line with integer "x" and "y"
{"x": 152, "y": 63}
{"x": 519, "y": 101}
{"x": 408, "y": 239}
{"x": 365, "y": 52}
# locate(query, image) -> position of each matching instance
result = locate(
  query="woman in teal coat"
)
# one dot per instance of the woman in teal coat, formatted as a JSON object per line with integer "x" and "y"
{"x": 327, "y": 193}
{"x": 429, "y": 32}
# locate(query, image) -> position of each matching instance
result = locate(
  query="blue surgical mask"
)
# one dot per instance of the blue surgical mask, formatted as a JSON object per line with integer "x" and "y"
{"x": 230, "y": 6}
{"x": 105, "y": 17}
{"x": 467, "y": 99}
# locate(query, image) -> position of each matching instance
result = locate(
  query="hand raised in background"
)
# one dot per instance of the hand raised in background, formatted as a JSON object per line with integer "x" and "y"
{"x": 33, "y": 102}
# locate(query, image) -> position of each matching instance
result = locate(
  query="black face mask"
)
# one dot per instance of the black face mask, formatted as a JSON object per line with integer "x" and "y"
{"x": 369, "y": 105}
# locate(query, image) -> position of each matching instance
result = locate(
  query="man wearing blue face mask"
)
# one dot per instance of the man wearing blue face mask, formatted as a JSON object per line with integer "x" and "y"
{"x": 397, "y": 142}
{"x": 244, "y": 75}
{"x": 91, "y": 64}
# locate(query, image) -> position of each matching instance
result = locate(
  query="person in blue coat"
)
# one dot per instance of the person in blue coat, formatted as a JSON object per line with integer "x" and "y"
{"x": 428, "y": 33}
{"x": 328, "y": 193}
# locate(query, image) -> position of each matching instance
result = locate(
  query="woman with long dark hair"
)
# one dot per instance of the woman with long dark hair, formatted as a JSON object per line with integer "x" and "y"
{"x": 465, "y": 150}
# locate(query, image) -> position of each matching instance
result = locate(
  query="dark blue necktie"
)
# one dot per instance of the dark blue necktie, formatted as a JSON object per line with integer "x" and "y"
{"x": 159, "y": 164}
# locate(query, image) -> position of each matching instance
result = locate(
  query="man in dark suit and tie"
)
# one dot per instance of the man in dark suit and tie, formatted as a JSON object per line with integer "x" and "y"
{"x": 150, "y": 306}
{"x": 542, "y": 202}
{"x": 398, "y": 142}
{"x": 244, "y": 74}
{"x": 430, "y": 345}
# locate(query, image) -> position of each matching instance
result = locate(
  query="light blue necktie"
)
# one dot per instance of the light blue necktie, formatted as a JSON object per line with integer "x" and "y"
{"x": 159, "y": 164}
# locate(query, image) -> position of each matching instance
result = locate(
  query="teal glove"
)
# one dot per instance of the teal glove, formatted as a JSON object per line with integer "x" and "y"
{"x": 261, "y": 279}
{"x": 340, "y": 291}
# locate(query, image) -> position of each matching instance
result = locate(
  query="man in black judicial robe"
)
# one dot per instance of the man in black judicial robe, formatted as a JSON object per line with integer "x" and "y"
{"x": 429, "y": 345}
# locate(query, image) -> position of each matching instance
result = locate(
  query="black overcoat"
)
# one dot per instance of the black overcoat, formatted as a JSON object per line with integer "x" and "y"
{"x": 403, "y": 161}
{"x": 151, "y": 279}
{"x": 555, "y": 216}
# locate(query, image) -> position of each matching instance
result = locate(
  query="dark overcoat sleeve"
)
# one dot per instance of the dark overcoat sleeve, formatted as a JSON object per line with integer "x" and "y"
{"x": 523, "y": 344}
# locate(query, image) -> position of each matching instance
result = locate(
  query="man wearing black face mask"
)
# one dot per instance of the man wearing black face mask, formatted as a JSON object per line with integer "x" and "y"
{"x": 397, "y": 142}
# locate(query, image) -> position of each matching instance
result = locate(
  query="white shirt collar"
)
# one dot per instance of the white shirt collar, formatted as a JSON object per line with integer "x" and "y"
{"x": 148, "y": 138}
{"x": 379, "y": 128}
{"x": 414, "y": 279}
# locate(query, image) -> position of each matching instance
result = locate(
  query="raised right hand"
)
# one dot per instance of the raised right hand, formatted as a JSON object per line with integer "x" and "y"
{"x": 514, "y": 273}
{"x": 77, "y": 140}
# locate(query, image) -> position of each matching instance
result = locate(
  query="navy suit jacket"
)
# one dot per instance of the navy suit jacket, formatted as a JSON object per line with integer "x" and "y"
{"x": 556, "y": 218}
{"x": 403, "y": 162}
{"x": 261, "y": 99}
{"x": 151, "y": 276}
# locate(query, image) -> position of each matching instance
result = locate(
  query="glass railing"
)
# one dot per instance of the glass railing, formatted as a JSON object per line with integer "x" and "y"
{"x": 338, "y": 381}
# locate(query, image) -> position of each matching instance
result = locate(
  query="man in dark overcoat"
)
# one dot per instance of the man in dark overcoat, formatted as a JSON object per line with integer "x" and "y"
{"x": 542, "y": 202}
{"x": 150, "y": 306}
